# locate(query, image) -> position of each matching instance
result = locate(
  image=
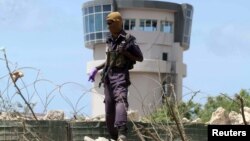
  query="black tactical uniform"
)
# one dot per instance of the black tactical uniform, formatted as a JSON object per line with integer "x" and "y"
{"x": 122, "y": 53}
{"x": 117, "y": 81}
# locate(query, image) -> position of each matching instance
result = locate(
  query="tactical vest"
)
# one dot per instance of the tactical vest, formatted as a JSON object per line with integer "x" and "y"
{"x": 116, "y": 59}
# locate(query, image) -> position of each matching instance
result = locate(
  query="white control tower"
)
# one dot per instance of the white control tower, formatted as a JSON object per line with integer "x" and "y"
{"x": 163, "y": 32}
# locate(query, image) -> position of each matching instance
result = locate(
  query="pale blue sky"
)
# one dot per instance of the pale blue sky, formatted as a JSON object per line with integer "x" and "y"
{"x": 48, "y": 35}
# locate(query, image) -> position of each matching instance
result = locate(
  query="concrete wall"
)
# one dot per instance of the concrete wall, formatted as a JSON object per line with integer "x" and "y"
{"x": 76, "y": 131}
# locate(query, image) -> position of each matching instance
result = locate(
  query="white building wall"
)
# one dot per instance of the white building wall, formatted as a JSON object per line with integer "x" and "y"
{"x": 144, "y": 92}
{"x": 99, "y": 52}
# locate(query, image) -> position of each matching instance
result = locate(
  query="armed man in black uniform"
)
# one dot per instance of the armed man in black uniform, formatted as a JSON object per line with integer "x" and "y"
{"x": 122, "y": 53}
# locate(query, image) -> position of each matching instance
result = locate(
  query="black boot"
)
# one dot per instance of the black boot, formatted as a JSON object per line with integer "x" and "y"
{"x": 122, "y": 133}
{"x": 114, "y": 137}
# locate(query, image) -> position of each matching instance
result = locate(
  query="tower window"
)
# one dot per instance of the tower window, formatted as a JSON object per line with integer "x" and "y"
{"x": 98, "y": 8}
{"x": 165, "y": 56}
{"x": 94, "y": 18}
{"x": 189, "y": 13}
{"x": 98, "y": 22}
{"x": 166, "y": 27}
{"x": 99, "y": 35}
{"x": 91, "y": 10}
{"x": 106, "y": 7}
{"x": 154, "y": 25}
{"x": 129, "y": 24}
{"x": 148, "y": 25}
{"x": 85, "y": 11}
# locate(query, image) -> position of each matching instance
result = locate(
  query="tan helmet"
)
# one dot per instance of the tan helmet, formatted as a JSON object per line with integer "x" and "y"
{"x": 114, "y": 21}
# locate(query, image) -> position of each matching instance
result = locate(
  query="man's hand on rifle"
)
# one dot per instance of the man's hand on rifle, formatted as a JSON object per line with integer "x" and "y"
{"x": 121, "y": 50}
{"x": 92, "y": 74}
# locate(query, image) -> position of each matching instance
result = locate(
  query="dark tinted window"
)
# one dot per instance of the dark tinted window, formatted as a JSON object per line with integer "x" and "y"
{"x": 106, "y": 7}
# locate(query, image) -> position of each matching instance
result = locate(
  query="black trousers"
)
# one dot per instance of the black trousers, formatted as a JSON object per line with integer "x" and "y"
{"x": 116, "y": 103}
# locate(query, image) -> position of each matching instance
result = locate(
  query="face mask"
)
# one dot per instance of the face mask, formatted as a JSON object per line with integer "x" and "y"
{"x": 114, "y": 22}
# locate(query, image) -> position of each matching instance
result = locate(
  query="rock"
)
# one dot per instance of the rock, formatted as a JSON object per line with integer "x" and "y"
{"x": 78, "y": 118}
{"x": 9, "y": 116}
{"x": 235, "y": 118}
{"x": 96, "y": 118}
{"x": 247, "y": 110}
{"x": 3, "y": 115}
{"x": 54, "y": 115}
{"x": 219, "y": 117}
{"x": 101, "y": 139}
{"x": 86, "y": 138}
{"x": 247, "y": 114}
{"x": 102, "y": 119}
{"x": 198, "y": 120}
{"x": 185, "y": 120}
{"x": 99, "y": 118}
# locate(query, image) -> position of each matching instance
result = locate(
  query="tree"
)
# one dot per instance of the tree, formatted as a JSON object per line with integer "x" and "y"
{"x": 222, "y": 100}
{"x": 192, "y": 110}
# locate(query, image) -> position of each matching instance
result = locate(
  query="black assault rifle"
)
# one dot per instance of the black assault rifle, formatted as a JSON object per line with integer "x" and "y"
{"x": 107, "y": 68}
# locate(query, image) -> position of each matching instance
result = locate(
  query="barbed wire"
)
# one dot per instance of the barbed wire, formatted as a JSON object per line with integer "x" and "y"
{"x": 32, "y": 87}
